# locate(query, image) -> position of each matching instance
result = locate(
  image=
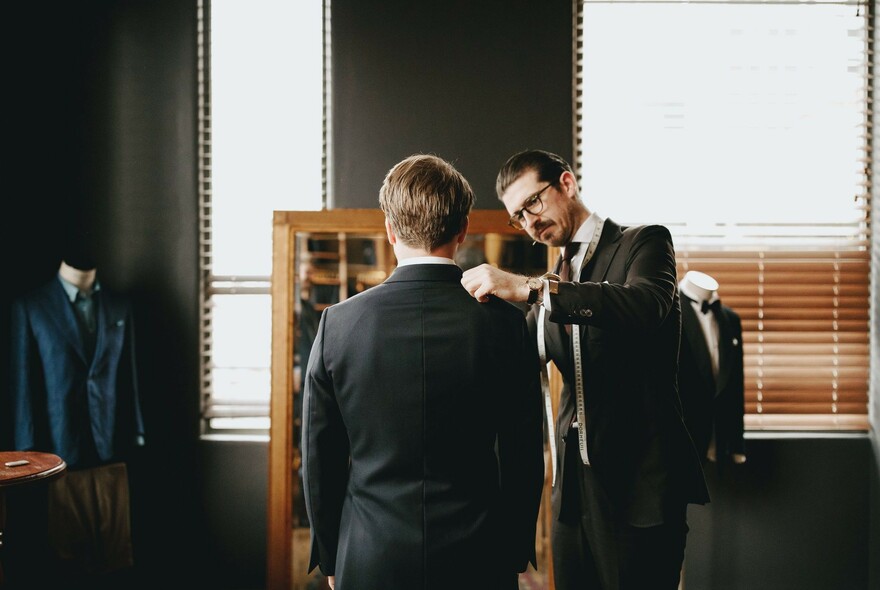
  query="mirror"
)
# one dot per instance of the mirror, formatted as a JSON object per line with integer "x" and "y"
{"x": 320, "y": 258}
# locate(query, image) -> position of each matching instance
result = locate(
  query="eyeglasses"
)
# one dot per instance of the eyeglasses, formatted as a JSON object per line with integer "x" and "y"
{"x": 533, "y": 205}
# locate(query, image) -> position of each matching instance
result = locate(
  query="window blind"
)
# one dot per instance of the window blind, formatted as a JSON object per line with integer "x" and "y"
{"x": 251, "y": 69}
{"x": 805, "y": 325}
{"x": 204, "y": 172}
{"x": 744, "y": 127}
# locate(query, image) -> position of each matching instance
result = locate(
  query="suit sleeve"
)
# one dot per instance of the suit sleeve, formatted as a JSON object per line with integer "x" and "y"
{"x": 521, "y": 449}
{"x": 640, "y": 303}
{"x": 325, "y": 451}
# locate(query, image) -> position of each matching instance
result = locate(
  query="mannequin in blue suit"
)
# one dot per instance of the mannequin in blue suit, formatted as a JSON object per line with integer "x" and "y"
{"x": 74, "y": 390}
{"x": 74, "y": 394}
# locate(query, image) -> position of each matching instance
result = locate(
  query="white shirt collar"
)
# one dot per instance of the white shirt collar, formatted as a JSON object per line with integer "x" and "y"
{"x": 425, "y": 260}
{"x": 72, "y": 290}
{"x": 585, "y": 231}
{"x": 685, "y": 288}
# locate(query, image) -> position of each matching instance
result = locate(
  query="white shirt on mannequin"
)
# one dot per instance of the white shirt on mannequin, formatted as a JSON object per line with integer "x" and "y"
{"x": 700, "y": 287}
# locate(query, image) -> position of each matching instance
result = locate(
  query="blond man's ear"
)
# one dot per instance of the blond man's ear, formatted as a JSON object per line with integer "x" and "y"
{"x": 392, "y": 238}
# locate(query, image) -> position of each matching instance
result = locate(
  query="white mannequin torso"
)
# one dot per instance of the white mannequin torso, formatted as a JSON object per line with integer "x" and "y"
{"x": 699, "y": 286}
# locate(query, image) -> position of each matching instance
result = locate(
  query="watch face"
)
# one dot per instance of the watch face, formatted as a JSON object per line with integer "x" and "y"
{"x": 535, "y": 283}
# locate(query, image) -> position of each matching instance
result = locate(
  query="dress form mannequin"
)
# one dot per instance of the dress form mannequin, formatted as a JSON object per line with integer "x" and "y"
{"x": 702, "y": 288}
{"x": 75, "y": 394}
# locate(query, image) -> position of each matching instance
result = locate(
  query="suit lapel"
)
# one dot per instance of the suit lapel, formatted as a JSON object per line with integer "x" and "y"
{"x": 56, "y": 306}
{"x": 109, "y": 313}
{"x": 596, "y": 268}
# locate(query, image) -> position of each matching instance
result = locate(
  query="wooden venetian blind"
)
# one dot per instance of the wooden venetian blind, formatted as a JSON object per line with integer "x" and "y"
{"x": 745, "y": 127}
{"x": 805, "y": 331}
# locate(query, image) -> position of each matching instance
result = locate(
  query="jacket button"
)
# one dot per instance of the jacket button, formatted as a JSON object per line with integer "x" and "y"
{"x": 587, "y": 313}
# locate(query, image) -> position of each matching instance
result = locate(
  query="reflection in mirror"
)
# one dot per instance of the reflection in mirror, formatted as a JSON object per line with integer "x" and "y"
{"x": 328, "y": 266}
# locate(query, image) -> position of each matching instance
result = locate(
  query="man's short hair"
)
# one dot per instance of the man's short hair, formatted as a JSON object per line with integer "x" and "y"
{"x": 548, "y": 165}
{"x": 426, "y": 200}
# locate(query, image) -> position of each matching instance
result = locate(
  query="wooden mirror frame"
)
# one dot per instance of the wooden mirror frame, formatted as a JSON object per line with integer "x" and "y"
{"x": 280, "y": 545}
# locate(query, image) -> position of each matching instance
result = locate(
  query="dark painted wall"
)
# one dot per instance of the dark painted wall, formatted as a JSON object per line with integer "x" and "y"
{"x": 102, "y": 126}
{"x": 793, "y": 517}
{"x": 145, "y": 194}
{"x": 472, "y": 82}
{"x": 234, "y": 484}
{"x": 103, "y": 134}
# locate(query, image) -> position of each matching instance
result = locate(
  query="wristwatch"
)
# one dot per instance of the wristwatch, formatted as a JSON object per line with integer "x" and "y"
{"x": 552, "y": 282}
{"x": 536, "y": 286}
{"x": 536, "y": 290}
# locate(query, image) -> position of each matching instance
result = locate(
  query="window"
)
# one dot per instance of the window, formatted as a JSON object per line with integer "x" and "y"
{"x": 745, "y": 128}
{"x": 261, "y": 146}
{"x": 742, "y": 126}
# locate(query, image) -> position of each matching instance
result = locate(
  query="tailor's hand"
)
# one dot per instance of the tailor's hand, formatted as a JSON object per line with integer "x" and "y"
{"x": 484, "y": 280}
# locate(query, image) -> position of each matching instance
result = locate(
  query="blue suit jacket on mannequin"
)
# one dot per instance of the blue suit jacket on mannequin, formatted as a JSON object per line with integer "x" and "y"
{"x": 62, "y": 400}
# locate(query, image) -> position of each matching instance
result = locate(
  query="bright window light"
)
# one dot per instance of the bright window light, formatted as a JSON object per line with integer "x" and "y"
{"x": 266, "y": 153}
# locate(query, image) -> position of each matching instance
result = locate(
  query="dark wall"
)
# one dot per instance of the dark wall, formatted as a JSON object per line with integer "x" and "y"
{"x": 103, "y": 134}
{"x": 146, "y": 196}
{"x": 472, "y": 82}
{"x": 47, "y": 90}
{"x": 794, "y": 516}
{"x": 234, "y": 480}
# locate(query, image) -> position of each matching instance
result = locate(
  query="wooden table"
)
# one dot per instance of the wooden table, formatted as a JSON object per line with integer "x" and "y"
{"x": 19, "y": 468}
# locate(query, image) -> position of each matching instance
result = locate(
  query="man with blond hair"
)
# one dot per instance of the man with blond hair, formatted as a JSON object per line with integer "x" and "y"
{"x": 422, "y": 434}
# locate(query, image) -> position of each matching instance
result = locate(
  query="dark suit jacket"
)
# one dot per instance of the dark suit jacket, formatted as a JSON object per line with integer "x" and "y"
{"x": 422, "y": 437}
{"x": 85, "y": 410}
{"x": 709, "y": 403}
{"x": 627, "y": 310}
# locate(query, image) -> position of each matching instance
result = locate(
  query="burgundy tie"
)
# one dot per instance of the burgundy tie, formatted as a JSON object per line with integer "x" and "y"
{"x": 568, "y": 253}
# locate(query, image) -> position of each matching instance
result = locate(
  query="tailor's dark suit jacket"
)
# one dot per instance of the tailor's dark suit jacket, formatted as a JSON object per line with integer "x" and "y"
{"x": 60, "y": 396}
{"x": 409, "y": 386}
{"x": 709, "y": 403}
{"x": 626, "y": 307}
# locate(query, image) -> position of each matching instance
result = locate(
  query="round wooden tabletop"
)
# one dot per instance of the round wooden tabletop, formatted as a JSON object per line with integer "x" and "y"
{"x": 19, "y": 467}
